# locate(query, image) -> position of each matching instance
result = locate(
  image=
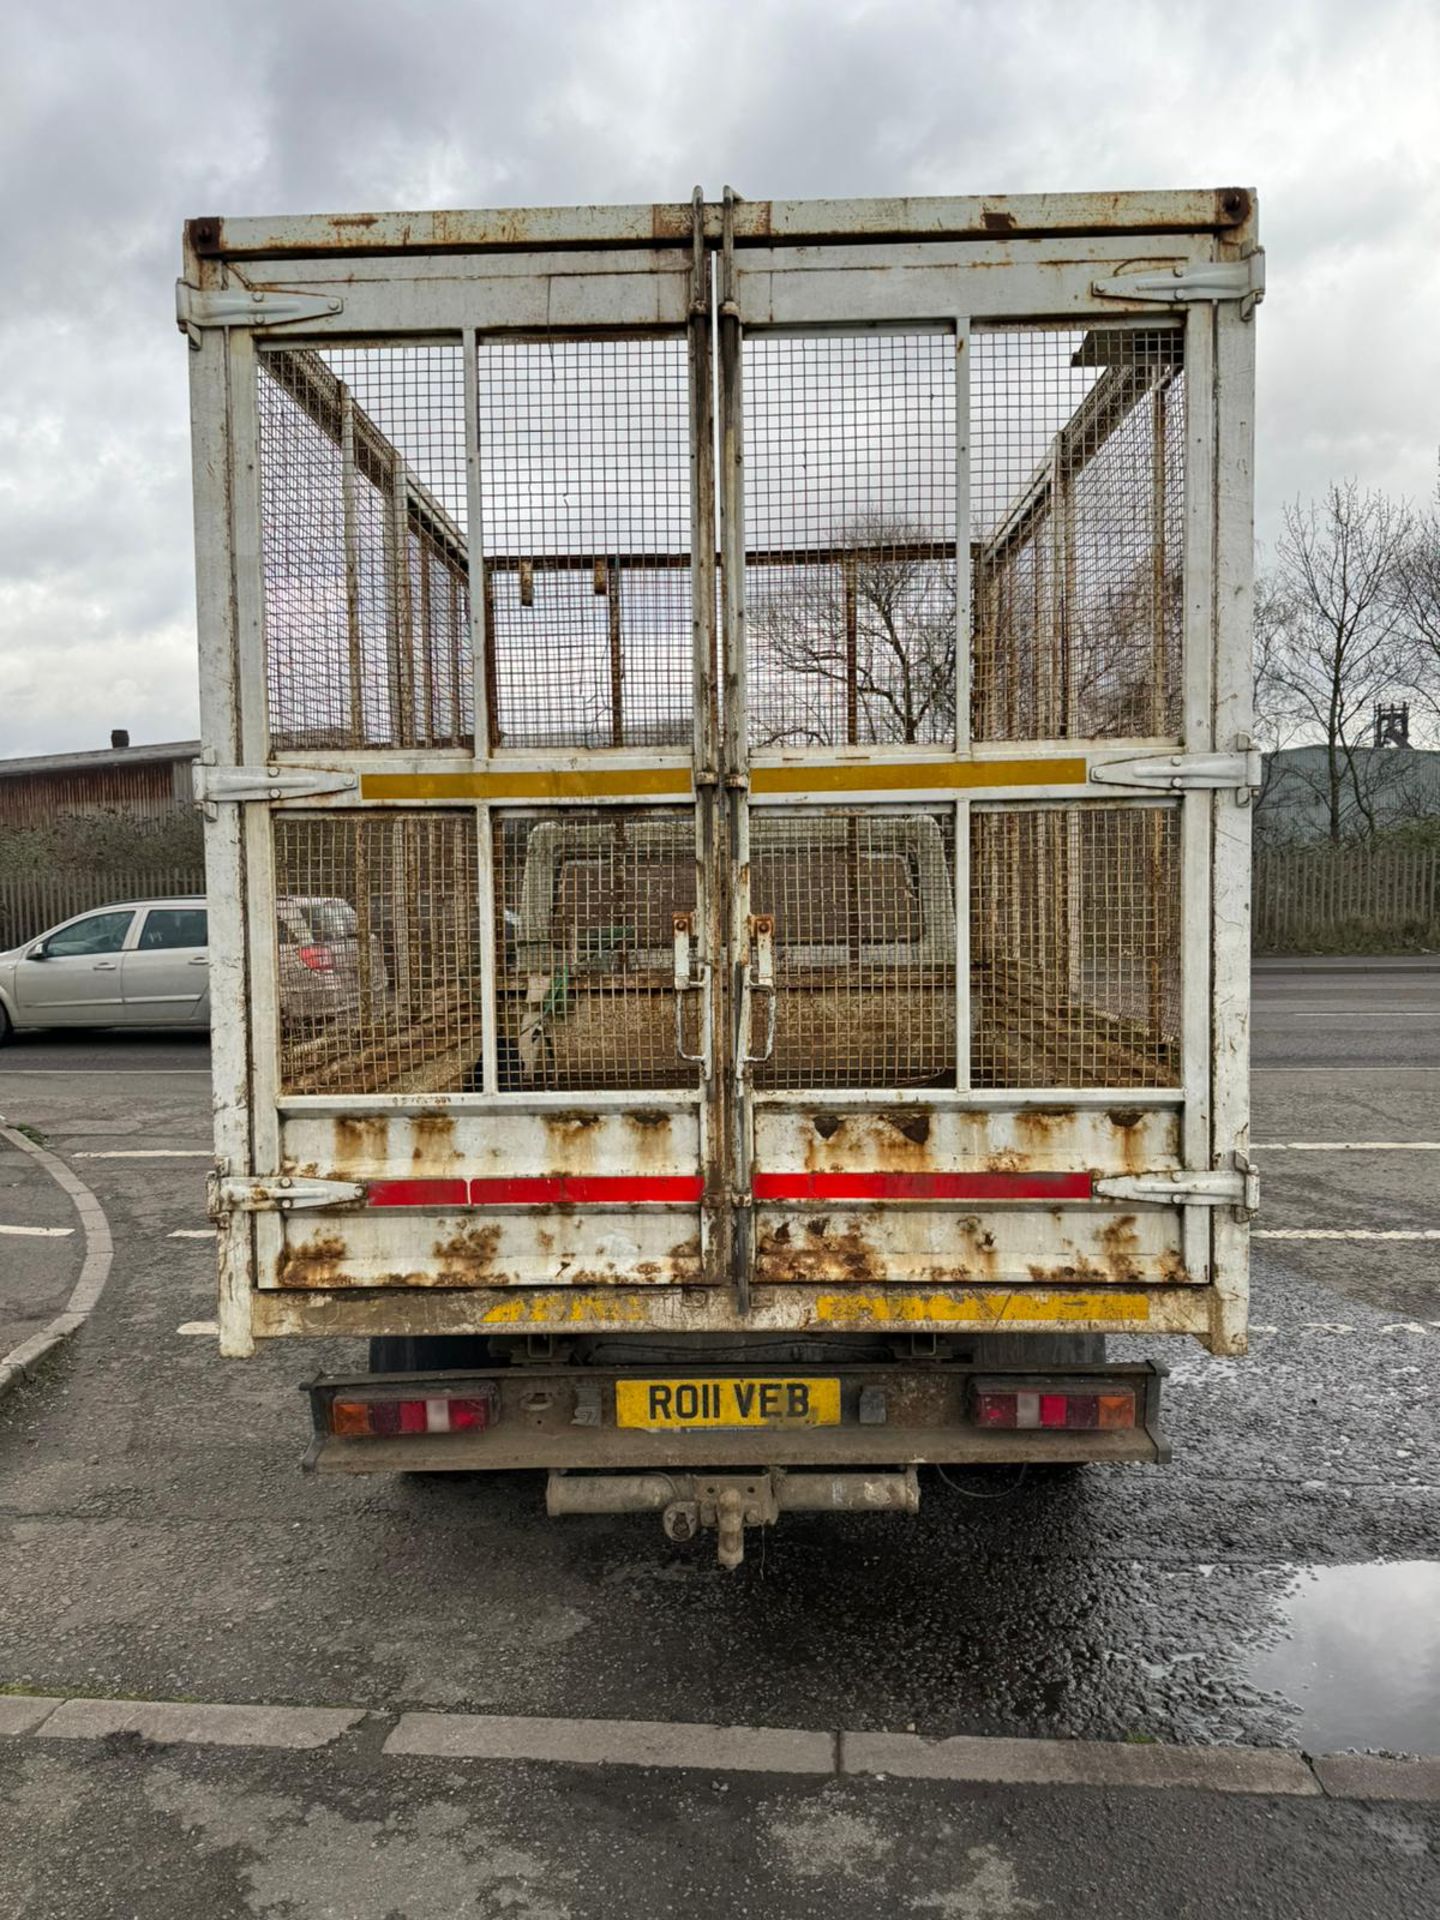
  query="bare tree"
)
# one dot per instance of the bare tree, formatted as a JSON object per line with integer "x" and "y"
{"x": 856, "y": 644}
{"x": 1333, "y": 637}
{"x": 1418, "y": 587}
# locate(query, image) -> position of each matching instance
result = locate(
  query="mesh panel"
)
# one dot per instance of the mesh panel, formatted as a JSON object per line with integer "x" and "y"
{"x": 1077, "y": 497}
{"x": 585, "y": 465}
{"x": 850, "y": 538}
{"x": 362, "y": 472}
{"x": 377, "y": 953}
{"x": 1075, "y": 946}
{"x": 586, "y": 987}
{"x": 864, "y": 908}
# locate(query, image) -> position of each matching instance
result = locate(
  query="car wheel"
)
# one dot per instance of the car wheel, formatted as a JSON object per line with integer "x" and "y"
{"x": 6, "y": 1028}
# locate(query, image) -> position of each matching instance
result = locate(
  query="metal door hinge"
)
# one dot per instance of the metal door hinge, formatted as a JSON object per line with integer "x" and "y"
{"x": 1178, "y": 771}
{"x": 235, "y": 784}
{"x": 1237, "y": 1186}
{"x": 1242, "y": 280}
{"x": 278, "y": 1193}
{"x": 197, "y": 307}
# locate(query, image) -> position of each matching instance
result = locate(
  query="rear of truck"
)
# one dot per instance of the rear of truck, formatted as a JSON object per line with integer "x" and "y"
{"x": 761, "y": 694}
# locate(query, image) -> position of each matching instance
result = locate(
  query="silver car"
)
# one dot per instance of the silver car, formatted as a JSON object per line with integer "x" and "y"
{"x": 146, "y": 964}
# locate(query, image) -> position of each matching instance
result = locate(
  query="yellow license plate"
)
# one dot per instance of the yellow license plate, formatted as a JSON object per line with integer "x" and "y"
{"x": 666, "y": 1404}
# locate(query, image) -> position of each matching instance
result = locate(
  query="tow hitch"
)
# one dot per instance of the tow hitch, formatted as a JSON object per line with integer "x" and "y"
{"x": 730, "y": 1502}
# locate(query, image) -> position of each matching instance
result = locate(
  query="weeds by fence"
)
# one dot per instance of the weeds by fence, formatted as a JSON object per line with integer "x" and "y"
{"x": 1347, "y": 899}
{"x": 31, "y": 902}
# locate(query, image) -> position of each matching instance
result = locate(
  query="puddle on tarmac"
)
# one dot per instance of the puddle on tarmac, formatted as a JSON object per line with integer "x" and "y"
{"x": 1361, "y": 1657}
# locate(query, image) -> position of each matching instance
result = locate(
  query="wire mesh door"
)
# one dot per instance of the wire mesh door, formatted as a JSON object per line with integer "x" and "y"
{"x": 954, "y": 567}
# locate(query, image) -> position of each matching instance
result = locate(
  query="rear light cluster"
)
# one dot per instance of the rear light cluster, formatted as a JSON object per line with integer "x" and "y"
{"x": 1070, "y": 1409}
{"x": 353, "y": 1419}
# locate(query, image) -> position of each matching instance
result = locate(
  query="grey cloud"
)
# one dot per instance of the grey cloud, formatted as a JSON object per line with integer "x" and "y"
{"x": 116, "y": 123}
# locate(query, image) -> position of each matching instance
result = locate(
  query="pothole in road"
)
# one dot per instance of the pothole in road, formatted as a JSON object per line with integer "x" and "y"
{"x": 1361, "y": 1656}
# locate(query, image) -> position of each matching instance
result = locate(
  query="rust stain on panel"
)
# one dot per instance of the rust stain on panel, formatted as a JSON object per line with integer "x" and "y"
{"x": 434, "y": 1136}
{"x": 467, "y": 1258}
{"x": 361, "y": 1140}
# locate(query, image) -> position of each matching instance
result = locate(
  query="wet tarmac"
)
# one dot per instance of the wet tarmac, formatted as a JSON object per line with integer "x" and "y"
{"x": 1360, "y": 1657}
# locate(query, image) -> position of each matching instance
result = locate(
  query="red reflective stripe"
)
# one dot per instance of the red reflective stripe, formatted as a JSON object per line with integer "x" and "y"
{"x": 584, "y": 1189}
{"x": 922, "y": 1186}
{"x": 419, "y": 1193}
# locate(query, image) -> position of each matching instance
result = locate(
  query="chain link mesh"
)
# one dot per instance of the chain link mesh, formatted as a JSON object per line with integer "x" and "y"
{"x": 1077, "y": 500}
{"x": 586, "y": 984}
{"x": 377, "y": 952}
{"x": 367, "y": 599}
{"x": 850, "y": 538}
{"x": 863, "y": 904}
{"x": 1075, "y": 946}
{"x": 585, "y": 482}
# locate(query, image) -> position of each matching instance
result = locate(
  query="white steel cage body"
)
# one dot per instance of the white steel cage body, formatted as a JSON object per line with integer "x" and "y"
{"x": 727, "y": 765}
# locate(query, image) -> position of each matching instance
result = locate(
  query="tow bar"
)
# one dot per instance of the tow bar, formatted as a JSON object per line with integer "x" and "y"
{"x": 686, "y": 1502}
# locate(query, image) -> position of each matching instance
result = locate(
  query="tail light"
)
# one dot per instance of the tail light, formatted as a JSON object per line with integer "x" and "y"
{"x": 1106, "y": 1408}
{"x": 354, "y": 1418}
{"x": 317, "y": 959}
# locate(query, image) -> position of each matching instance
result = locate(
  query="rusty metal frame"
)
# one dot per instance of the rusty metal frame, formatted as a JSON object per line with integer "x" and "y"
{"x": 799, "y": 265}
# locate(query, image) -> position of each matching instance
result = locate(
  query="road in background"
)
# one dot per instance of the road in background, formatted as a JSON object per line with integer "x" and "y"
{"x": 159, "y": 1541}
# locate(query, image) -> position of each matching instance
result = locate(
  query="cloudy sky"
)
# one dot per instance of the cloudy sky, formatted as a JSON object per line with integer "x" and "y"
{"x": 117, "y": 120}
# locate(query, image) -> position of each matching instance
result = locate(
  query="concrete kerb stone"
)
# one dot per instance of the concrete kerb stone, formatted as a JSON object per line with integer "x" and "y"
{"x": 295, "y": 1729}
{"x": 23, "y": 1712}
{"x": 1363, "y": 1776}
{"x": 1077, "y": 1763}
{"x": 1261, "y": 1772}
{"x": 613, "y": 1743}
{"x": 21, "y": 1362}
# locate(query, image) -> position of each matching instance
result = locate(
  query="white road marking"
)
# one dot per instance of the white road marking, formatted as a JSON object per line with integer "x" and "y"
{"x": 1345, "y": 1233}
{"x": 149, "y": 1153}
{"x": 1347, "y": 1146}
{"x": 198, "y": 1327}
{"x": 40, "y": 1233}
{"x": 193, "y": 1233}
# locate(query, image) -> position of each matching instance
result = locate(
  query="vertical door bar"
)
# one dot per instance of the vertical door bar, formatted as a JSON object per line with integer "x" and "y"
{"x": 735, "y": 763}
{"x": 1234, "y": 592}
{"x": 709, "y": 824}
{"x": 1197, "y": 655}
{"x": 481, "y": 641}
{"x": 964, "y": 577}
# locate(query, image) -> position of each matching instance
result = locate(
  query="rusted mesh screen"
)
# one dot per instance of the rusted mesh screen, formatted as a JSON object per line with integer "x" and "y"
{"x": 586, "y": 981}
{"x": 850, "y": 538}
{"x": 1077, "y": 499}
{"x": 377, "y": 953}
{"x": 585, "y": 481}
{"x": 864, "y": 912}
{"x": 362, "y": 473}
{"x": 1075, "y": 946}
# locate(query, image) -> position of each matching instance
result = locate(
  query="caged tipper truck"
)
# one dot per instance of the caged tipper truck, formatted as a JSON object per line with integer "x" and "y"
{"x": 757, "y": 697}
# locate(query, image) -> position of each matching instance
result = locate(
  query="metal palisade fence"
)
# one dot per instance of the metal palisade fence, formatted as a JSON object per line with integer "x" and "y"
{"x": 31, "y": 902}
{"x": 1346, "y": 899}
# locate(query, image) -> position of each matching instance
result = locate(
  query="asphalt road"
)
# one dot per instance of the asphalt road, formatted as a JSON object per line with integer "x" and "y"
{"x": 1275, "y": 1585}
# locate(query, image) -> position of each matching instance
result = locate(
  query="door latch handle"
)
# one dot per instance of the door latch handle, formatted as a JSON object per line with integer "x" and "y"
{"x": 691, "y": 976}
{"x": 759, "y": 983}
{"x": 105, "y": 966}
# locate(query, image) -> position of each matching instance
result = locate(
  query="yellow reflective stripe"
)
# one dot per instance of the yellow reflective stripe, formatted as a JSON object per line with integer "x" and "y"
{"x": 601, "y": 782}
{"x": 1014, "y": 1306}
{"x": 862, "y": 776}
{"x": 533, "y": 783}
